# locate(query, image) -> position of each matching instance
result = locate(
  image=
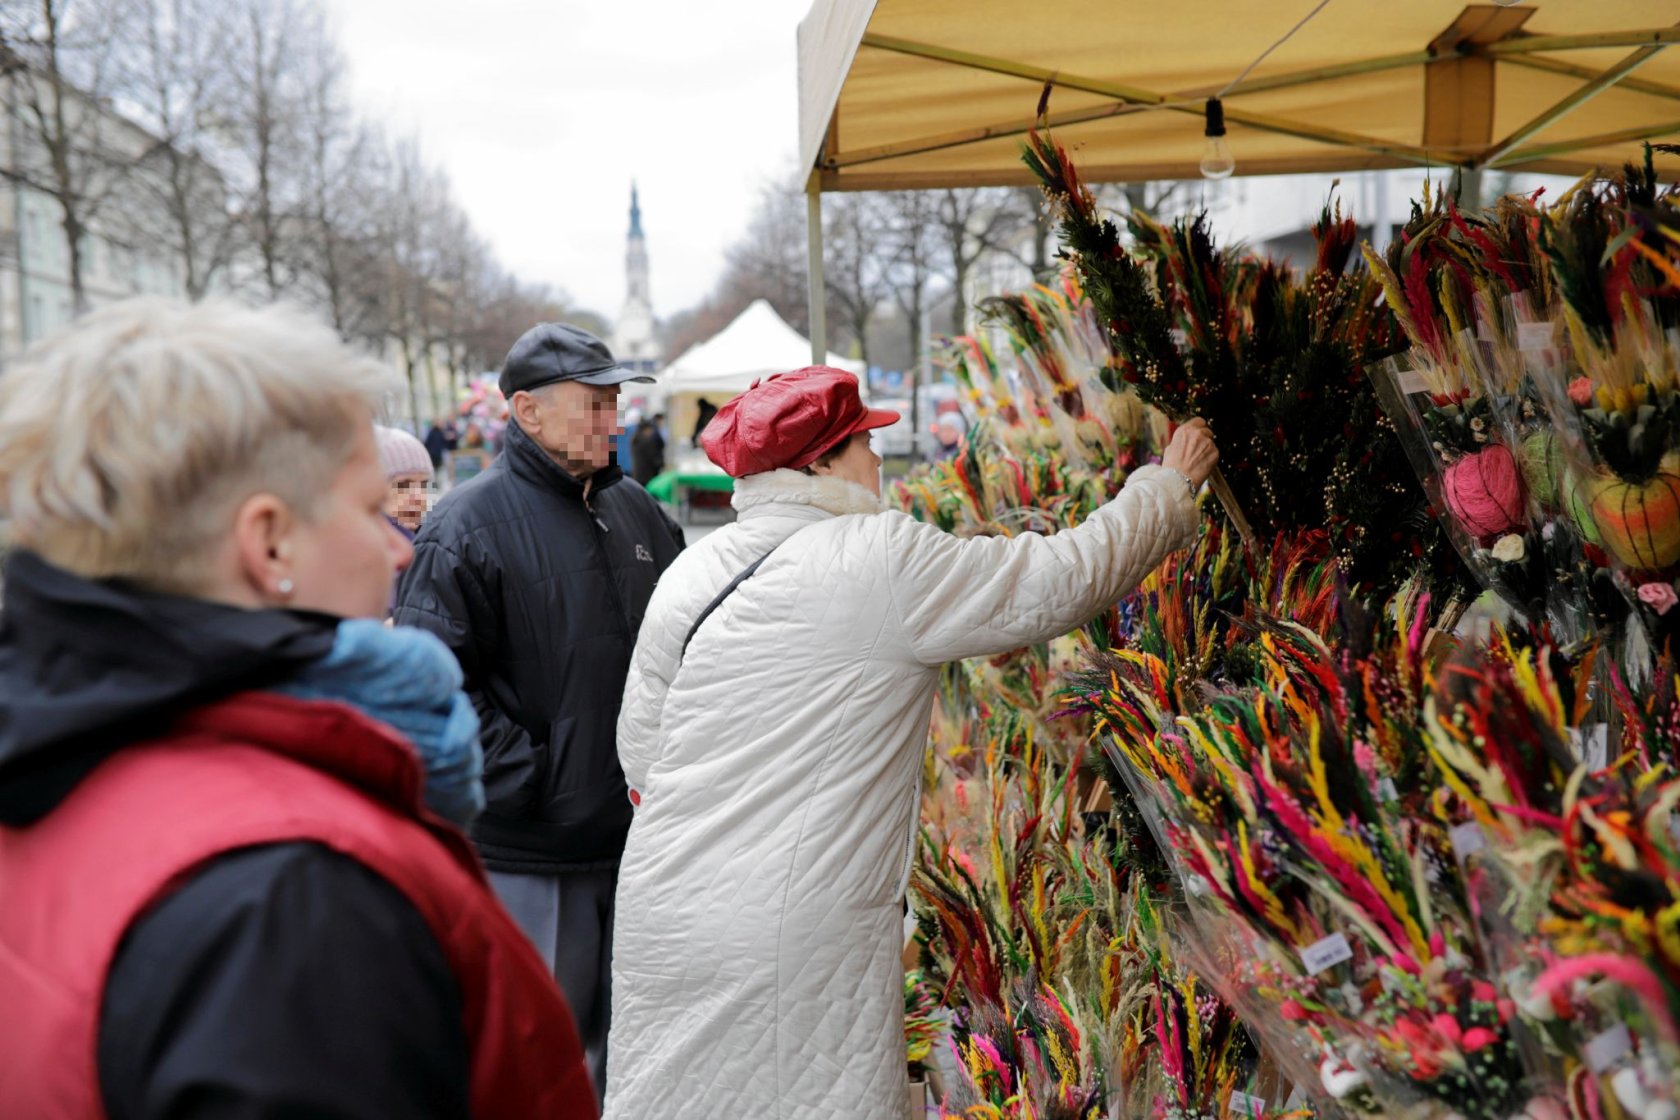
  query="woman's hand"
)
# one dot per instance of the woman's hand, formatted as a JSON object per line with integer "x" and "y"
{"x": 1192, "y": 452}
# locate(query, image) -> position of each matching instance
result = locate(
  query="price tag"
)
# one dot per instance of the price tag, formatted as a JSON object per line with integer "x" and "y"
{"x": 1387, "y": 791}
{"x": 1244, "y": 1105}
{"x": 1411, "y": 381}
{"x": 1180, "y": 340}
{"x": 1328, "y": 953}
{"x": 1534, "y": 336}
{"x": 1468, "y": 839}
{"x": 1606, "y": 1049}
{"x": 1591, "y": 744}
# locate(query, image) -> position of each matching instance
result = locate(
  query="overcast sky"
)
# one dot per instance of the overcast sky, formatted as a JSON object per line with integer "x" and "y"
{"x": 542, "y": 113}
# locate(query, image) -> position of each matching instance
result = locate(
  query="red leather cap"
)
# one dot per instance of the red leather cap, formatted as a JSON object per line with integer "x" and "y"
{"x": 789, "y": 420}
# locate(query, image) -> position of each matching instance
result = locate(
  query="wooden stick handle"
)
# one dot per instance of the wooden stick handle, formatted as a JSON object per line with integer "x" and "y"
{"x": 1452, "y": 614}
{"x": 1222, "y": 490}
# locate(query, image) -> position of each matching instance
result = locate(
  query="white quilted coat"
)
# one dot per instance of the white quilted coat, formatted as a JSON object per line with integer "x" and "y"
{"x": 756, "y": 971}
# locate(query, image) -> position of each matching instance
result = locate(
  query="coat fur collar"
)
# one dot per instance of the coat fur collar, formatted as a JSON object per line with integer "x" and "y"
{"x": 824, "y": 492}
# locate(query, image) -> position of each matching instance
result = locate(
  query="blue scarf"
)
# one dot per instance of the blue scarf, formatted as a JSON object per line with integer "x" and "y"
{"x": 408, "y": 680}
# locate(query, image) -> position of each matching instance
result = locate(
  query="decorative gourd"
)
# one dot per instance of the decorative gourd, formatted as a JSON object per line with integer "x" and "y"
{"x": 1577, "y": 500}
{"x": 1639, "y": 521}
{"x": 1541, "y": 467}
{"x": 1485, "y": 492}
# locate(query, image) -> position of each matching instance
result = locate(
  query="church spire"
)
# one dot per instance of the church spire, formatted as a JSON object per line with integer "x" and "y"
{"x": 635, "y": 341}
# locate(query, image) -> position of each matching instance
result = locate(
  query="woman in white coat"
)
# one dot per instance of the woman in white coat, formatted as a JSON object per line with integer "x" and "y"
{"x": 776, "y": 761}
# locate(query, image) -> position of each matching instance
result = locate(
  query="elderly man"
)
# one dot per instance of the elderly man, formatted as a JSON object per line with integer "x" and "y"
{"x": 537, "y": 573}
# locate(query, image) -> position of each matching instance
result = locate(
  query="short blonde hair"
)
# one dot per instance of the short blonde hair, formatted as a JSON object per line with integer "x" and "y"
{"x": 129, "y": 439}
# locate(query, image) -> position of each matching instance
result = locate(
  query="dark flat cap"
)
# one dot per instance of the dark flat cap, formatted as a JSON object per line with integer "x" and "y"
{"x": 552, "y": 352}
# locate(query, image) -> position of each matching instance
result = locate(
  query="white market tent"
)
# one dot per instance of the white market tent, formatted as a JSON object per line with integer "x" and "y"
{"x": 757, "y": 344}
{"x": 924, "y": 94}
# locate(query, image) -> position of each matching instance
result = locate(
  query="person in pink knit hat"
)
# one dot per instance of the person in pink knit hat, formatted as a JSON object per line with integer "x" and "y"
{"x": 408, "y": 475}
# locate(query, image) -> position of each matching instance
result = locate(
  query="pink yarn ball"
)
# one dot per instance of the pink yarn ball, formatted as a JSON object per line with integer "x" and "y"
{"x": 1485, "y": 492}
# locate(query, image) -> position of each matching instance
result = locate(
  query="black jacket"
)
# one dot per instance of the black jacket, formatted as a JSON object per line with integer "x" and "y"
{"x": 647, "y": 452}
{"x": 360, "y": 1012}
{"x": 540, "y": 593}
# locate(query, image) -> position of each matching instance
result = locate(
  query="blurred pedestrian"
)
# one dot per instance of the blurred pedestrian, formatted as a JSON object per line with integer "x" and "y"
{"x": 773, "y": 732}
{"x": 626, "y": 435}
{"x": 408, "y": 477}
{"x": 949, "y": 432}
{"x": 223, "y": 893}
{"x": 647, "y": 450}
{"x": 537, "y": 573}
{"x": 471, "y": 457}
{"x": 705, "y": 411}
{"x": 439, "y": 442}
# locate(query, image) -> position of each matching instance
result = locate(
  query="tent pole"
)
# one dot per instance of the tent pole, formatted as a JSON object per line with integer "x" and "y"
{"x": 1528, "y": 44}
{"x": 1563, "y": 108}
{"x": 1557, "y": 66}
{"x": 1587, "y": 143}
{"x": 814, "y": 284}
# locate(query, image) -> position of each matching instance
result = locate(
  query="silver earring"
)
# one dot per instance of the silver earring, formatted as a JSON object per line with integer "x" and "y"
{"x": 285, "y": 587}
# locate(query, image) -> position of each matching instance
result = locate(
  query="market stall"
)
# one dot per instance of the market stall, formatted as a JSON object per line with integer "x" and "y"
{"x": 1356, "y": 864}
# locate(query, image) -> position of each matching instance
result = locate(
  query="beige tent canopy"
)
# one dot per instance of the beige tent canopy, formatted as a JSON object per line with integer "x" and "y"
{"x": 917, "y": 94}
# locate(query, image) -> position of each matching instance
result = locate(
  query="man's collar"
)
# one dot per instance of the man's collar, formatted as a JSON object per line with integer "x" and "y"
{"x": 531, "y": 461}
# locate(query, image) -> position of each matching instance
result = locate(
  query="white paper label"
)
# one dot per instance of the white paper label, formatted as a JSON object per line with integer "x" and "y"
{"x": 1534, "y": 336}
{"x": 1468, "y": 839}
{"x": 1328, "y": 953}
{"x": 1386, "y": 790}
{"x": 1591, "y": 744}
{"x": 1606, "y": 1049}
{"x": 1411, "y": 381}
{"x": 1244, "y": 1105}
{"x": 1180, "y": 340}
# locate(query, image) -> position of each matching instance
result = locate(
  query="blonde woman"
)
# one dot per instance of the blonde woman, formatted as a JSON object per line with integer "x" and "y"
{"x": 223, "y": 893}
{"x": 772, "y": 732}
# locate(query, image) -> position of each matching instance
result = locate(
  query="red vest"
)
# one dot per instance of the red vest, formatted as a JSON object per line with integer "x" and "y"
{"x": 257, "y": 768}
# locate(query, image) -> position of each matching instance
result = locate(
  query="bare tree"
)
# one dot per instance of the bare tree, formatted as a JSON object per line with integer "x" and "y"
{"x": 462, "y": 259}
{"x": 916, "y": 254}
{"x": 408, "y": 201}
{"x": 507, "y": 309}
{"x": 61, "y": 55}
{"x": 769, "y": 260}
{"x": 856, "y": 264}
{"x": 974, "y": 223}
{"x": 275, "y": 34}
{"x": 334, "y": 240}
{"x": 177, "y": 76}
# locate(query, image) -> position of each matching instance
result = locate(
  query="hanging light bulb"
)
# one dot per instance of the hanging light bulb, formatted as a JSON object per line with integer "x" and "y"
{"x": 1217, "y": 160}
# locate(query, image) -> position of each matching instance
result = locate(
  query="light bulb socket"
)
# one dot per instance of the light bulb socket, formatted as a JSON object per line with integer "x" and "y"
{"x": 1215, "y": 118}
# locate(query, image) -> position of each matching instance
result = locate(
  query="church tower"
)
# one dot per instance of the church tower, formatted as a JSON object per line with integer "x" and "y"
{"x": 634, "y": 343}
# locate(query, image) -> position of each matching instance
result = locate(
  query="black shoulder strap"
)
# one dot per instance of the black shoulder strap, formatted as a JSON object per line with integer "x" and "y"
{"x": 729, "y": 590}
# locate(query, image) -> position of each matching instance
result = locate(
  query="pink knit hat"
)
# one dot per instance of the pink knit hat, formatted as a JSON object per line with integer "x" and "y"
{"x": 400, "y": 453}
